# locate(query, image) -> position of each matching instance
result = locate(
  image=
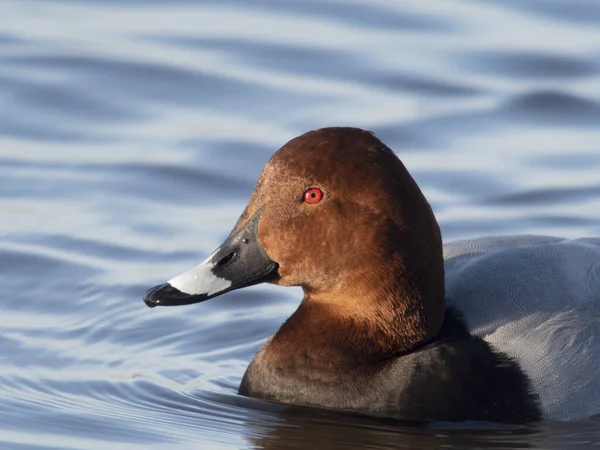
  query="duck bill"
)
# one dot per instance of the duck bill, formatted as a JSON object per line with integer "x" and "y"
{"x": 239, "y": 262}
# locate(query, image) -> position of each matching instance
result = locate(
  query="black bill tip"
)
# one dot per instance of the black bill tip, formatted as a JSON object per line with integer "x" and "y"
{"x": 167, "y": 295}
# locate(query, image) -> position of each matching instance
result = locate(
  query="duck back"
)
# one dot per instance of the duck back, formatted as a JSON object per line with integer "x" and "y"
{"x": 537, "y": 300}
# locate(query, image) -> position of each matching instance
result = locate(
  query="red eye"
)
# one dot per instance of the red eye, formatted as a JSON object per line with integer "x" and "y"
{"x": 313, "y": 195}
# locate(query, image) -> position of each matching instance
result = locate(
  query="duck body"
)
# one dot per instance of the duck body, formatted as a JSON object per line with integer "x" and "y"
{"x": 521, "y": 341}
{"x": 393, "y": 322}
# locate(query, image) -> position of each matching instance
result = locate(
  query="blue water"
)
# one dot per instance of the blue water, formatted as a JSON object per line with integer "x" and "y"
{"x": 131, "y": 136}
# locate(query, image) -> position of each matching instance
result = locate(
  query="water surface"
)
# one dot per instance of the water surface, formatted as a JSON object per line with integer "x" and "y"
{"x": 131, "y": 136}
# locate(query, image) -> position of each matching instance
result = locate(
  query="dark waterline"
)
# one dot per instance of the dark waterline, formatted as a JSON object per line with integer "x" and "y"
{"x": 131, "y": 136}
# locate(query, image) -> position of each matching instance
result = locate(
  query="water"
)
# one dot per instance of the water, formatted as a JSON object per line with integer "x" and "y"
{"x": 131, "y": 135}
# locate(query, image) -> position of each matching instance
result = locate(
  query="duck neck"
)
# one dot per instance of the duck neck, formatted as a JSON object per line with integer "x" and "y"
{"x": 337, "y": 328}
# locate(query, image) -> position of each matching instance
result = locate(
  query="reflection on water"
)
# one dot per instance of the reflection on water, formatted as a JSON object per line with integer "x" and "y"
{"x": 131, "y": 135}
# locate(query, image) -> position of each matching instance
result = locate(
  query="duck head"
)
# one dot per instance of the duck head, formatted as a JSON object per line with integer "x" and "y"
{"x": 337, "y": 213}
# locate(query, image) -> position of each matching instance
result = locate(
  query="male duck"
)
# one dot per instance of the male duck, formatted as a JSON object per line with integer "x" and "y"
{"x": 513, "y": 335}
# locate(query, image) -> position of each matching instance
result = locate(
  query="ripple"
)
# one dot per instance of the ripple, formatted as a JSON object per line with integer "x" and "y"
{"x": 419, "y": 84}
{"x": 581, "y": 12}
{"x": 64, "y": 100}
{"x": 552, "y": 106}
{"x": 530, "y": 65}
{"x": 377, "y": 16}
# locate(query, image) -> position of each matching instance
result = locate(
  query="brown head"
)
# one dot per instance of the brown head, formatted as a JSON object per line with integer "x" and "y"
{"x": 337, "y": 213}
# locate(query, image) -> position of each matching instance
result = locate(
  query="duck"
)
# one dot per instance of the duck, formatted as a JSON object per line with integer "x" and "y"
{"x": 394, "y": 323}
